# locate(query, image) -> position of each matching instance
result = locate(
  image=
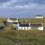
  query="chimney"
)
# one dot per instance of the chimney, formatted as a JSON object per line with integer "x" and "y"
{"x": 29, "y": 23}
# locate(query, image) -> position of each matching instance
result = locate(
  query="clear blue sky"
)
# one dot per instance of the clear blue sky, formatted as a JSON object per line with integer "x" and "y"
{"x": 22, "y": 8}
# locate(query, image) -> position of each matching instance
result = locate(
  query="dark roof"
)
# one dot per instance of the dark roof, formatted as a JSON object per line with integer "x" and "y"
{"x": 15, "y": 22}
{"x": 38, "y": 15}
{"x": 35, "y": 25}
{"x": 24, "y": 25}
{"x": 13, "y": 19}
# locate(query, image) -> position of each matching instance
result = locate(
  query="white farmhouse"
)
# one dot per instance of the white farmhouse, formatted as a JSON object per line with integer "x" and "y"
{"x": 37, "y": 26}
{"x": 23, "y": 26}
{"x": 29, "y": 26}
{"x": 39, "y": 16}
{"x": 9, "y": 20}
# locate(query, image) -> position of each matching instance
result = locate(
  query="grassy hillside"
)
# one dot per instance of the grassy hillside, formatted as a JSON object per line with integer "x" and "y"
{"x": 15, "y": 37}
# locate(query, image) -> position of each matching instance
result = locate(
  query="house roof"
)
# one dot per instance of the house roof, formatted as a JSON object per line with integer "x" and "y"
{"x": 24, "y": 25}
{"x": 35, "y": 25}
{"x": 15, "y": 22}
{"x": 39, "y": 15}
{"x": 13, "y": 19}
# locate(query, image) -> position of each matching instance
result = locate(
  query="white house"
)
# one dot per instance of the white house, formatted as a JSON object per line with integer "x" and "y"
{"x": 9, "y": 20}
{"x": 29, "y": 26}
{"x": 39, "y": 16}
{"x": 37, "y": 26}
{"x": 23, "y": 26}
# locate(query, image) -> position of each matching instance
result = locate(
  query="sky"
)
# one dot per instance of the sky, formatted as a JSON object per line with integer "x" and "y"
{"x": 22, "y": 8}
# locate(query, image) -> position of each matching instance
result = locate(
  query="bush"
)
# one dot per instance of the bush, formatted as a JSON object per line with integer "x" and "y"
{"x": 1, "y": 27}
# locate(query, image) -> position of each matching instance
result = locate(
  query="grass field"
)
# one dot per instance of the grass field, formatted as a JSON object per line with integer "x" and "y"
{"x": 15, "y": 37}
{"x": 9, "y": 36}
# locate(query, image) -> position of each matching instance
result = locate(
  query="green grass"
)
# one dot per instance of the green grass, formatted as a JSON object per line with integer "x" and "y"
{"x": 15, "y": 37}
{"x": 33, "y": 20}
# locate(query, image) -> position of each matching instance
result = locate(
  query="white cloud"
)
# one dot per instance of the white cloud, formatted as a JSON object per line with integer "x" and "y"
{"x": 10, "y": 8}
{"x": 7, "y": 4}
{"x": 26, "y": 6}
{"x": 31, "y": 5}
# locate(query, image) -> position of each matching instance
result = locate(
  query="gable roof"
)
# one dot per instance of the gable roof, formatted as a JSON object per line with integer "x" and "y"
{"x": 13, "y": 19}
{"x": 35, "y": 25}
{"x": 39, "y": 15}
{"x": 15, "y": 22}
{"x": 23, "y": 25}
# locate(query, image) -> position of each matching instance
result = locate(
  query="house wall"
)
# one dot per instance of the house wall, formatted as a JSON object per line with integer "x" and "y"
{"x": 38, "y": 17}
{"x": 24, "y": 28}
{"x": 29, "y": 28}
{"x": 9, "y": 20}
{"x": 40, "y": 28}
